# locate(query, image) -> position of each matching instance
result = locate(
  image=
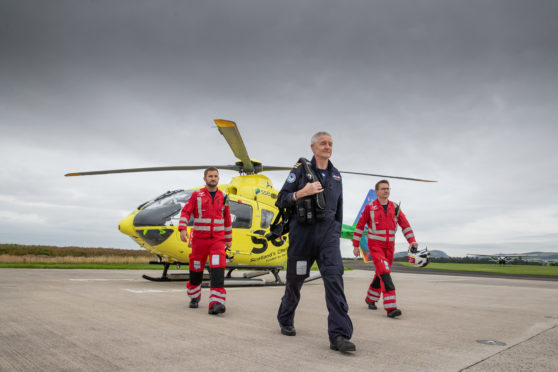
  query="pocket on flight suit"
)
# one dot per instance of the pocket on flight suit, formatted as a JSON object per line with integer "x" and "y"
{"x": 298, "y": 267}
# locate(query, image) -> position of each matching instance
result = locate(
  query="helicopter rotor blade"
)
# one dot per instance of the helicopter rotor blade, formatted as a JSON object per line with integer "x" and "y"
{"x": 152, "y": 169}
{"x": 230, "y": 131}
{"x": 384, "y": 176}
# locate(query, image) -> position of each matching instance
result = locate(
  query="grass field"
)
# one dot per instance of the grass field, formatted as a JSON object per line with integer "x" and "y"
{"x": 492, "y": 268}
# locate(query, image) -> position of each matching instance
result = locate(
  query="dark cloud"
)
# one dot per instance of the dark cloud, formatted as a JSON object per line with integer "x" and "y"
{"x": 463, "y": 92}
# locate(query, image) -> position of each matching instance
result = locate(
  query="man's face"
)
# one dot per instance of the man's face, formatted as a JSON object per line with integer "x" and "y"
{"x": 383, "y": 191}
{"x": 323, "y": 147}
{"x": 211, "y": 179}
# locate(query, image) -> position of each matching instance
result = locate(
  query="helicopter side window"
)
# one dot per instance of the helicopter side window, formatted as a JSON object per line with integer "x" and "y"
{"x": 241, "y": 215}
{"x": 267, "y": 218}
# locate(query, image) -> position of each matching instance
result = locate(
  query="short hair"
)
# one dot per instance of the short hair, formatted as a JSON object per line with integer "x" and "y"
{"x": 209, "y": 169}
{"x": 377, "y": 187}
{"x": 315, "y": 137}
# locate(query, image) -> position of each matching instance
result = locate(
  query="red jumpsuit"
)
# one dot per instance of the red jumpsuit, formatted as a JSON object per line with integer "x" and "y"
{"x": 382, "y": 227}
{"x": 212, "y": 229}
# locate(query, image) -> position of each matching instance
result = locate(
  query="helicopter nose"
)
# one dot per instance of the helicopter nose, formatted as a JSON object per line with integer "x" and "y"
{"x": 126, "y": 226}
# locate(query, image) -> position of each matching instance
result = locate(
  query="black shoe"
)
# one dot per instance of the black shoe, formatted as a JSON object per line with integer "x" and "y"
{"x": 288, "y": 330}
{"x": 217, "y": 308}
{"x": 342, "y": 344}
{"x": 393, "y": 313}
{"x": 194, "y": 303}
{"x": 372, "y": 305}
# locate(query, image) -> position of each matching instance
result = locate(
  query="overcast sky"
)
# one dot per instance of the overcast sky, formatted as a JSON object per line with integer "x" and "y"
{"x": 463, "y": 92}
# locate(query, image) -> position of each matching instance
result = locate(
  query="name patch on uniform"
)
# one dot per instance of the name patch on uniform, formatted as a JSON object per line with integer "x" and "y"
{"x": 301, "y": 267}
{"x": 291, "y": 178}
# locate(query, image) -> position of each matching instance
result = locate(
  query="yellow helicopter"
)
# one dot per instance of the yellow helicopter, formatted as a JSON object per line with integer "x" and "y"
{"x": 154, "y": 224}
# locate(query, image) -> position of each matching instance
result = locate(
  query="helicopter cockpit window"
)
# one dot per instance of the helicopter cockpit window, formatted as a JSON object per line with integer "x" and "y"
{"x": 163, "y": 210}
{"x": 241, "y": 215}
{"x": 267, "y": 218}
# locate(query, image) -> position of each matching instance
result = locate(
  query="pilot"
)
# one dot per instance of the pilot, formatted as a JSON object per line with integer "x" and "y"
{"x": 382, "y": 217}
{"x": 316, "y": 240}
{"x": 212, "y": 233}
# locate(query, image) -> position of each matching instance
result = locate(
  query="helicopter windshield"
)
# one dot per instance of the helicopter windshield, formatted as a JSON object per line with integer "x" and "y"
{"x": 163, "y": 210}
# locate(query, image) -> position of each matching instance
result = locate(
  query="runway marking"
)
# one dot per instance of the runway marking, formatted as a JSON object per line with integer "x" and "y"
{"x": 100, "y": 280}
{"x": 153, "y": 290}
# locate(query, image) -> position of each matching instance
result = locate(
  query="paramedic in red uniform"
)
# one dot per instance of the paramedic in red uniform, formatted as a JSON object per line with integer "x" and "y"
{"x": 212, "y": 232}
{"x": 381, "y": 217}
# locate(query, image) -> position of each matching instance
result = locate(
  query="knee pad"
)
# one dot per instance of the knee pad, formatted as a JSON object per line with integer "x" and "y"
{"x": 217, "y": 277}
{"x": 196, "y": 277}
{"x": 388, "y": 283}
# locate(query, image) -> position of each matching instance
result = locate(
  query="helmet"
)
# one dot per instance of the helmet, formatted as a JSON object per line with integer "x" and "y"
{"x": 418, "y": 258}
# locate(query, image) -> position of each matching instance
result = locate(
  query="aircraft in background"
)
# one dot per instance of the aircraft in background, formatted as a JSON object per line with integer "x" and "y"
{"x": 503, "y": 259}
{"x": 154, "y": 224}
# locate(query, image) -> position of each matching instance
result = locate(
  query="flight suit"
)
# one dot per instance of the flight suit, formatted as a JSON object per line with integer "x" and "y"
{"x": 382, "y": 226}
{"x": 212, "y": 229}
{"x": 316, "y": 242}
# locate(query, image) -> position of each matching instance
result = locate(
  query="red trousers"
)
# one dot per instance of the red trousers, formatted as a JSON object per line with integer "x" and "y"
{"x": 202, "y": 249}
{"x": 382, "y": 256}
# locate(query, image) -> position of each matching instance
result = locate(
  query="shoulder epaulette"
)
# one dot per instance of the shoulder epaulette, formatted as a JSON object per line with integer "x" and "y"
{"x": 297, "y": 165}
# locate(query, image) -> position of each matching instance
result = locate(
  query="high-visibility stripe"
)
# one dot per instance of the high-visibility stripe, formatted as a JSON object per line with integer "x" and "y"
{"x": 387, "y": 298}
{"x": 392, "y": 238}
{"x": 202, "y": 228}
{"x": 228, "y": 236}
{"x": 217, "y": 293}
{"x": 199, "y": 205}
{"x": 410, "y": 235}
{"x": 392, "y": 232}
{"x": 406, "y": 230}
{"x": 373, "y": 298}
{"x": 216, "y": 299}
{"x": 390, "y": 305}
{"x": 374, "y": 237}
{"x": 219, "y": 220}
{"x": 202, "y": 220}
{"x": 358, "y": 231}
{"x": 228, "y": 228}
{"x": 373, "y": 293}
{"x": 183, "y": 219}
{"x": 218, "y": 228}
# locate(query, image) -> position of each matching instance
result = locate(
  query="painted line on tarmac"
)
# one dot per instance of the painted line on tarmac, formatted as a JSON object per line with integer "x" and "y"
{"x": 153, "y": 290}
{"x": 99, "y": 280}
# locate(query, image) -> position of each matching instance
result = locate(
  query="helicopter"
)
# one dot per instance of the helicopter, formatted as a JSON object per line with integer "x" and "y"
{"x": 153, "y": 225}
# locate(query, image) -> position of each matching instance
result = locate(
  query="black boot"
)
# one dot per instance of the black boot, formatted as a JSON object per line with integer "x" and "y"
{"x": 194, "y": 303}
{"x": 288, "y": 330}
{"x": 372, "y": 305}
{"x": 342, "y": 344}
{"x": 217, "y": 308}
{"x": 393, "y": 313}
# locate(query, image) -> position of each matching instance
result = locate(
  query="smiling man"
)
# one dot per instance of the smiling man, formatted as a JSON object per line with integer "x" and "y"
{"x": 314, "y": 233}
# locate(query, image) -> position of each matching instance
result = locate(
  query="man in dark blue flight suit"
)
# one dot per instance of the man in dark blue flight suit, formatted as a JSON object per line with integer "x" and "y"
{"x": 318, "y": 242}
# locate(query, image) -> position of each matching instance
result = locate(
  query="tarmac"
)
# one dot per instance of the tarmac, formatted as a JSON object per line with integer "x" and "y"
{"x": 113, "y": 320}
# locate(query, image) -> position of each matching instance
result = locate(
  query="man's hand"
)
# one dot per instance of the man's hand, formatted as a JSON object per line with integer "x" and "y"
{"x": 310, "y": 189}
{"x": 228, "y": 245}
{"x": 184, "y": 235}
{"x": 413, "y": 247}
{"x": 356, "y": 251}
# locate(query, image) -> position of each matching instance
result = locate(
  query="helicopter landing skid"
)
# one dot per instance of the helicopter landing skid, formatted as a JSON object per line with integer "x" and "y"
{"x": 249, "y": 279}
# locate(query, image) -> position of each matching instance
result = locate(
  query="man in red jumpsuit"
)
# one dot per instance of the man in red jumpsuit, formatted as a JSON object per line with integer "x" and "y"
{"x": 381, "y": 217}
{"x": 211, "y": 233}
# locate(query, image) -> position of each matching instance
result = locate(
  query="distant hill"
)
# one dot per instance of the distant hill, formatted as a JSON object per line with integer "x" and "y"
{"x": 433, "y": 254}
